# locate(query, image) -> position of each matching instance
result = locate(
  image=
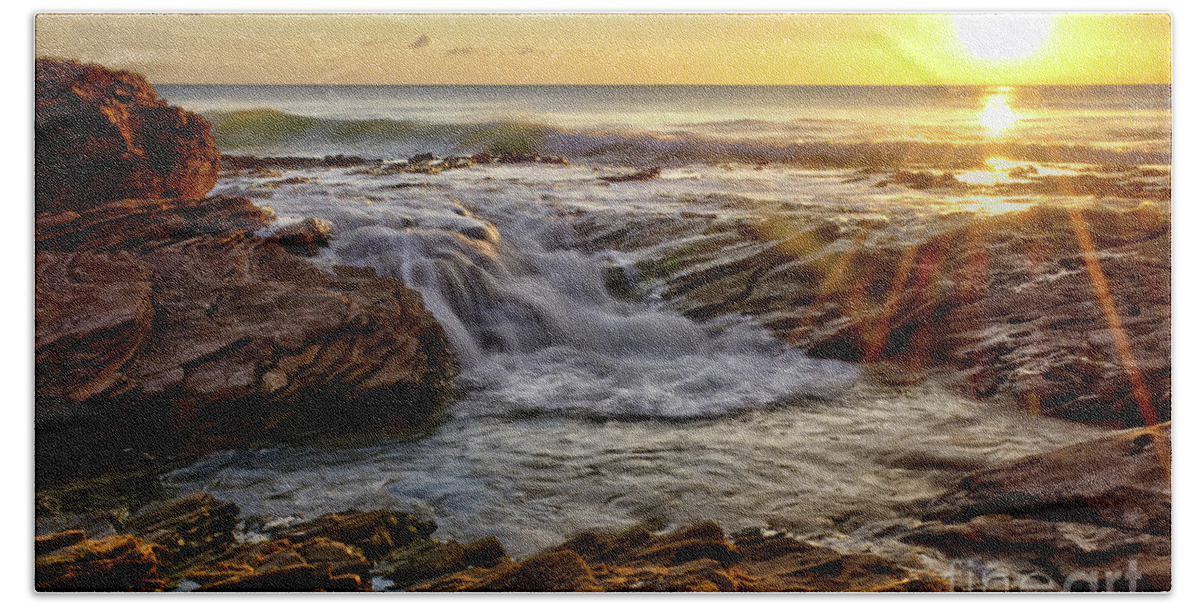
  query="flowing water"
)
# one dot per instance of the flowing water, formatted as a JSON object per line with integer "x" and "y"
{"x": 589, "y": 408}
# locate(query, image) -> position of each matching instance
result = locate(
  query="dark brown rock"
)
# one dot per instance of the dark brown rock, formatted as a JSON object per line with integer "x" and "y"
{"x": 93, "y": 314}
{"x": 1097, "y": 510}
{"x": 188, "y": 527}
{"x": 317, "y": 564}
{"x": 376, "y": 533}
{"x": 140, "y": 225}
{"x": 158, "y": 307}
{"x": 117, "y": 563}
{"x": 1131, "y": 490}
{"x": 559, "y": 571}
{"x": 485, "y": 552}
{"x": 637, "y": 176}
{"x": 257, "y": 163}
{"x": 48, "y": 543}
{"x": 295, "y": 577}
{"x": 424, "y": 560}
{"x": 249, "y": 343}
{"x": 696, "y": 558}
{"x": 104, "y": 135}
{"x": 305, "y": 238}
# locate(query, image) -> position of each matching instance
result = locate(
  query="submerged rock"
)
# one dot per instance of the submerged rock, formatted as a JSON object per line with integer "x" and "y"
{"x": 636, "y": 176}
{"x": 1121, "y": 481}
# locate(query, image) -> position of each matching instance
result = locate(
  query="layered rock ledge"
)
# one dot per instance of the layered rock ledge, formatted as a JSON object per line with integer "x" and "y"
{"x": 191, "y": 543}
{"x": 1065, "y": 311}
{"x": 165, "y": 326}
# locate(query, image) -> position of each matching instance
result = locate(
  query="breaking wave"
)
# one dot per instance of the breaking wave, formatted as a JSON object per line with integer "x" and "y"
{"x": 268, "y": 131}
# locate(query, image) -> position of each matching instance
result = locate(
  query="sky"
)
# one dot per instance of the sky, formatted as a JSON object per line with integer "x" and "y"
{"x": 619, "y": 48}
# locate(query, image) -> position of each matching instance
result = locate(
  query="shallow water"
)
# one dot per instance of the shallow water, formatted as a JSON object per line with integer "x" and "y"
{"x": 534, "y": 480}
{"x": 585, "y": 410}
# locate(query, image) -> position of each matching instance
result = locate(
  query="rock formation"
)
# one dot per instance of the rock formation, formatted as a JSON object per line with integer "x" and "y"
{"x": 700, "y": 557}
{"x": 163, "y": 325}
{"x": 189, "y": 543}
{"x": 1066, "y": 312}
{"x": 104, "y": 135}
{"x": 1091, "y": 511}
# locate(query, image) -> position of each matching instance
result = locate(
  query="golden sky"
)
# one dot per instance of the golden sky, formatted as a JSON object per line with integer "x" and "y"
{"x": 614, "y": 48}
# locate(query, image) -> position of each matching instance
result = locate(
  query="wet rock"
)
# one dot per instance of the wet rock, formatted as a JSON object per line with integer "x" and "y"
{"x": 250, "y": 343}
{"x": 268, "y": 163}
{"x": 93, "y": 313}
{"x": 1097, "y": 506}
{"x": 423, "y": 560}
{"x": 305, "y": 238}
{"x": 1036, "y": 307}
{"x": 921, "y": 180}
{"x": 780, "y": 563}
{"x": 317, "y": 564}
{"x": 485, "y": 552}
{"x": 103, "y": 135}
{"x": 1132, "y": 490}
{"x": 188, "y": 527}
{"x": 558, "y": 571}
{"x": 1063, "y": 552}
{"x": 165, "y": 327}
{"x": 376, "y": 533}
{"x": 117, "y": 563}
{"x": 696, "y": 558}
{"x": 293, "y": 578}
{"x": 140, "y": 225}
{"x": 48, "y": 543}
{"x": 637, "y": 176}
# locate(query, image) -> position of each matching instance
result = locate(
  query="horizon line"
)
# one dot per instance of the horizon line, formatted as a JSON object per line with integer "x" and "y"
{"x": 642, "y": 84}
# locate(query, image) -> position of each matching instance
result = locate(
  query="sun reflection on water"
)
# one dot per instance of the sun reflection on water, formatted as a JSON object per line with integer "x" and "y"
{"x": 997, "y": 115}
{"x": 988, "y": 205}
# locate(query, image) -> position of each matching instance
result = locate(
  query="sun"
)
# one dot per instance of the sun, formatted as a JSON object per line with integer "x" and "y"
{"x": 997, "y": 115}
{"x": 1002, "y": 36}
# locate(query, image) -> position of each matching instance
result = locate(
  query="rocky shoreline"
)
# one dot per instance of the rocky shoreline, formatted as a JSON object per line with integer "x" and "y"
{"x": 1053, "y": 517}
{"x": 157, "y": 305}
{"x": 171, "y": 324}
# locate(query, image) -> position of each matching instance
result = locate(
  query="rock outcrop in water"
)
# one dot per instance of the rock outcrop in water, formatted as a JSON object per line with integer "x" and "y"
{"x": 1067, "y": 312}
{"x": 163, "y": 325}
{"x": 1088, "y": 515}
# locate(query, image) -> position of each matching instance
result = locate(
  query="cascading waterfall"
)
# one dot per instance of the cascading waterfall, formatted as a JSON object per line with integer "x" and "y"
{"x": 534, "y": 324}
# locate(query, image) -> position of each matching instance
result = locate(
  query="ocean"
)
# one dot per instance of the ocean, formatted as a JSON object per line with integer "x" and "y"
{"x": 590, "y": 399}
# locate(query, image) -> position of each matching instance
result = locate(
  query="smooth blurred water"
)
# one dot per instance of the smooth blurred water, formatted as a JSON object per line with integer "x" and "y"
{"x": 587, "y": 409}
